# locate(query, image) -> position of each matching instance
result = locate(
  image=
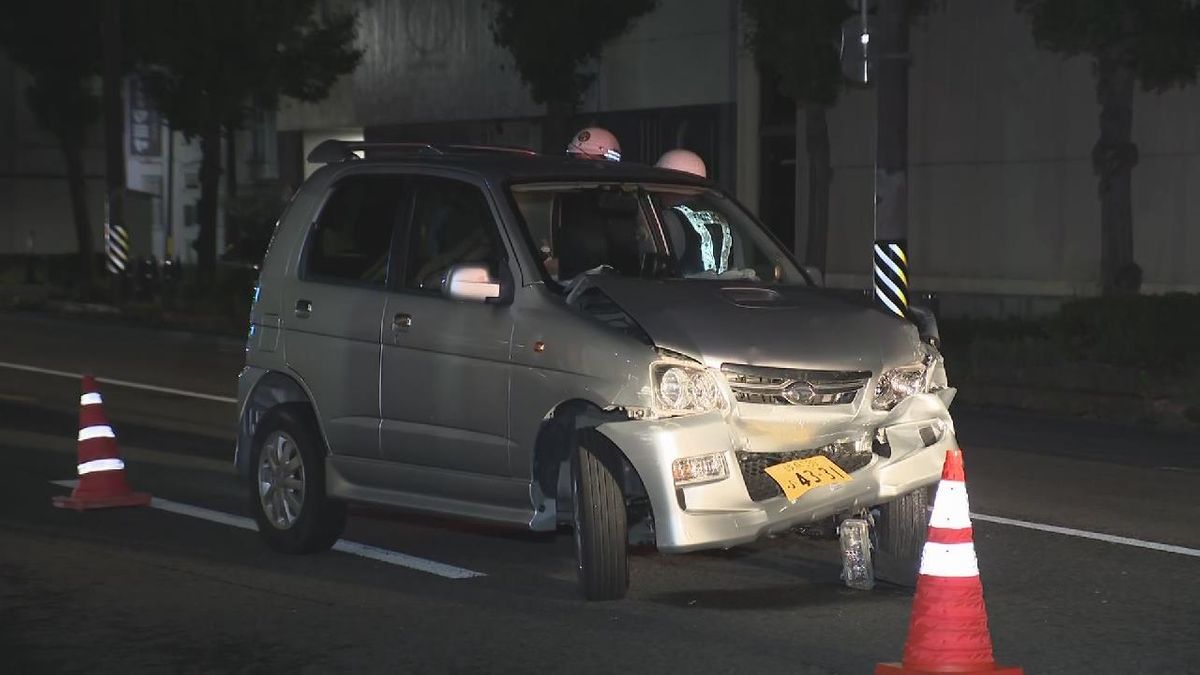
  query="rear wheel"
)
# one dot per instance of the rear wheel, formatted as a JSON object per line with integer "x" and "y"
{"x": 900, "y": 529}
{"x": 601, "y": 527}
{"x": 287, "y": 484}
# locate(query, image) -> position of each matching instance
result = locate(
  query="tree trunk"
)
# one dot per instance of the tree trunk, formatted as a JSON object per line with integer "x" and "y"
{"x": 1113, "y": 159}
{"x": 820, "y": 176}
{"x": 232, "y": 233}
{"x": 83, "y": 226}
{"x": 230, "y": 163}
{"x": 210, "y": 185}
{"x": 556, "y": 131}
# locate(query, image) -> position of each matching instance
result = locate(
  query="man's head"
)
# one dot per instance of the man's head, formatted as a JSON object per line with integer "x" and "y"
{"x": 595, "y": 143}
{"x": 682, "y": 160}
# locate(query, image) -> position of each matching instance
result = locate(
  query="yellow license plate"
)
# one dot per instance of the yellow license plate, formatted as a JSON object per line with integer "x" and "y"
{"x": 801, "y": 475}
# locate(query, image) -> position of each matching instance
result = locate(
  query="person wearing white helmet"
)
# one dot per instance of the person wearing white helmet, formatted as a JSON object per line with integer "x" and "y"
{"x": 588, "y": 143}
{"x": 595, "y": 143}
{"x": 682, "y": 160}
{"x": 698, "y": 242}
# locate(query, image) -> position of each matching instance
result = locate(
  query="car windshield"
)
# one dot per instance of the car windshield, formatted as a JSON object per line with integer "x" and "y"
{"x": 647, "y": 230}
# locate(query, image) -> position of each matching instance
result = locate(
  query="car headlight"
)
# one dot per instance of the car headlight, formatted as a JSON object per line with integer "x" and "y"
{"x": 685, "y": 390}
{"x": 897, "y": 384}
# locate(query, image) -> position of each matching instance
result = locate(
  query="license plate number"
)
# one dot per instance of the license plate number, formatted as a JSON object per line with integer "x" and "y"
{"x": 801, "y": 475}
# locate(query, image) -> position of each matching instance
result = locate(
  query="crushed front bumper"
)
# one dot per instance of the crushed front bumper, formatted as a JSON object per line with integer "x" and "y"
{"x": 904, "y": 450}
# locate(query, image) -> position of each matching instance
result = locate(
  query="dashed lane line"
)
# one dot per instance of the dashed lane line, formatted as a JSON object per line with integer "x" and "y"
{"x": 121, "y": 383}
{"x": 351, "y": 547}
{"x": 404, "y": 560}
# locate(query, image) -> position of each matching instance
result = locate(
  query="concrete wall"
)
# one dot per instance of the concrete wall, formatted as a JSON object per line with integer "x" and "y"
{"x": 423, "y": 60}
{"x": 435, "y": 61}
{"x": 681, "y": 54}
{"x": 1002, "y": 196}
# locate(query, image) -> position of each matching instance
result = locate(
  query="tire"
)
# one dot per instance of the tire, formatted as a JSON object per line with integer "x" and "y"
{"x": 287, "y": 483}
{"x": 900, "y": 529}
{"x": 601, "y": 527}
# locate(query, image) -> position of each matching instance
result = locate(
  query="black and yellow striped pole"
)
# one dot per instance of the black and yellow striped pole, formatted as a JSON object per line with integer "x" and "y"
{"x": 890, "y": 252}
{"x": 116, "y": 248}
{"x": 891, "y": 275}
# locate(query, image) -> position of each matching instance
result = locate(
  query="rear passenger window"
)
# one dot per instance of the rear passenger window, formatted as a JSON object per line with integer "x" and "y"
{"x": 353, "y": 233}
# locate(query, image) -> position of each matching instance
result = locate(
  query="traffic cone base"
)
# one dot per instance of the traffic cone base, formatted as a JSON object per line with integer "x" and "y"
{"x": 102, "y": 482}
{"x": 102, "y": 502}
{"x": 898, "y": 669}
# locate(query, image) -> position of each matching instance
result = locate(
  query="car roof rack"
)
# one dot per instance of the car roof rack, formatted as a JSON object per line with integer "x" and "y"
{"x": 334, "y": 150}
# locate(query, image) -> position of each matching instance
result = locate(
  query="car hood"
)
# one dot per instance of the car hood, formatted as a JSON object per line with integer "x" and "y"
{"x": 721, "y": 322}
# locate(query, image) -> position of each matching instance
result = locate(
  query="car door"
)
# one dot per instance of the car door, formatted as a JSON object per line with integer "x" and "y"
{"x": 445, "y": 368}
{"x": 335, "y": 309}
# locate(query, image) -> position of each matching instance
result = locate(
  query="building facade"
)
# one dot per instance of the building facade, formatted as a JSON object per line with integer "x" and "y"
{"x": 1003, "y": 208}
{"x": 432, "y": 72}
{"x": 161, "y": 176}
{"x": 1003, "y": 202}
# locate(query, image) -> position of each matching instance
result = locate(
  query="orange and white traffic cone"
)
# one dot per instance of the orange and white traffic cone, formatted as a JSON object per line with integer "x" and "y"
{"x": 948, "y": 630}
{"x": 101, "y": 471}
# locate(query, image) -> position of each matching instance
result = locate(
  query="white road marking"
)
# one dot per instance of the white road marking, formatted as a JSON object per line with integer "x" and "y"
{"x": 1084, "y": 534}
{"x": 1180, "y": 469}
{"x": 452, "y": 572}
{"x": 405, "y": 560}
{"x": 351, "y": 547}
{"x": 121, "y": 383}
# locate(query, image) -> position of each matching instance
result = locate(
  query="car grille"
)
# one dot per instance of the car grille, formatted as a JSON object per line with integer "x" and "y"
{"x": 782, "y": 386}
{"x": 850, "y": 456}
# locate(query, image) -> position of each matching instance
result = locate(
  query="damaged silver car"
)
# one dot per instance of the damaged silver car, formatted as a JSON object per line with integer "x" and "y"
{"x": 547, "y": 342}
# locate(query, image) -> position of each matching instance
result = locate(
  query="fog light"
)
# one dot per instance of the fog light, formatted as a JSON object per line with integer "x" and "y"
{"x": 701, "y": 469}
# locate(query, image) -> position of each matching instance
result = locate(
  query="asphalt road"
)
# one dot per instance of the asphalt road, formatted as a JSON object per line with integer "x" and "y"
{"x": 149, "y": 590}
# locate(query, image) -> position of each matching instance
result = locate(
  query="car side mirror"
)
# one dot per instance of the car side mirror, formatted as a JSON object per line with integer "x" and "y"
{"x": 925, "y": 320}
{"x": 813, "y": 273}
{"x": 472, "y": 282}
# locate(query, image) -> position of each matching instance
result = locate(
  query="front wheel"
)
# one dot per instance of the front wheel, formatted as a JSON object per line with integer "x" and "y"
{"x": 287, "y": 484}
{"x": 601, "y": 527}
{"x": 900, "y": 529}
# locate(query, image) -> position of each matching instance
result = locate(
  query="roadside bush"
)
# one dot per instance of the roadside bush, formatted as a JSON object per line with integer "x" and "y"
{"x": 971, "y": 345}
{"x": 1156, "y": 332}
{"x": 1131, "y": 358}
{"x": 222, "y": 306}
{"x": 1160, "y": 332}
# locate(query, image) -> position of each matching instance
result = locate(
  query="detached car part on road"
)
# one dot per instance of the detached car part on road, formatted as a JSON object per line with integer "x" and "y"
{"x": 544, "y": 342}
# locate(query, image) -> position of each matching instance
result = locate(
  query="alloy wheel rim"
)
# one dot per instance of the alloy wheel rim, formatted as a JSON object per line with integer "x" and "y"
{"x": 281, "y": 480}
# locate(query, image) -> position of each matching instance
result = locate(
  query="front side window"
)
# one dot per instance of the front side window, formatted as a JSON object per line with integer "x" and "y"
{"x": 352, "y": 236}
{"x": 658, "y": 231}
{"x": 451, "y": 224}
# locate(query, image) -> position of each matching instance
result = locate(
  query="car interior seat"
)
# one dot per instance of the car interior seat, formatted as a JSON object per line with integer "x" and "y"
{"x": 581, "y": 243}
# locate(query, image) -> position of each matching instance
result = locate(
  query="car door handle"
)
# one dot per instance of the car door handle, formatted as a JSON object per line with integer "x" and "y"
{"x": 401, "y": 322}
{"x": 303, "y": 308}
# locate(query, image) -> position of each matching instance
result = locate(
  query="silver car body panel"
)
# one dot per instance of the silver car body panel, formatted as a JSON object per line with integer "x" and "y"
{"x": 445, "y": 383}
{"x": 785, "y": 327}
{"x": 445, "y": 416}
{"x": 721, "y": 514}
